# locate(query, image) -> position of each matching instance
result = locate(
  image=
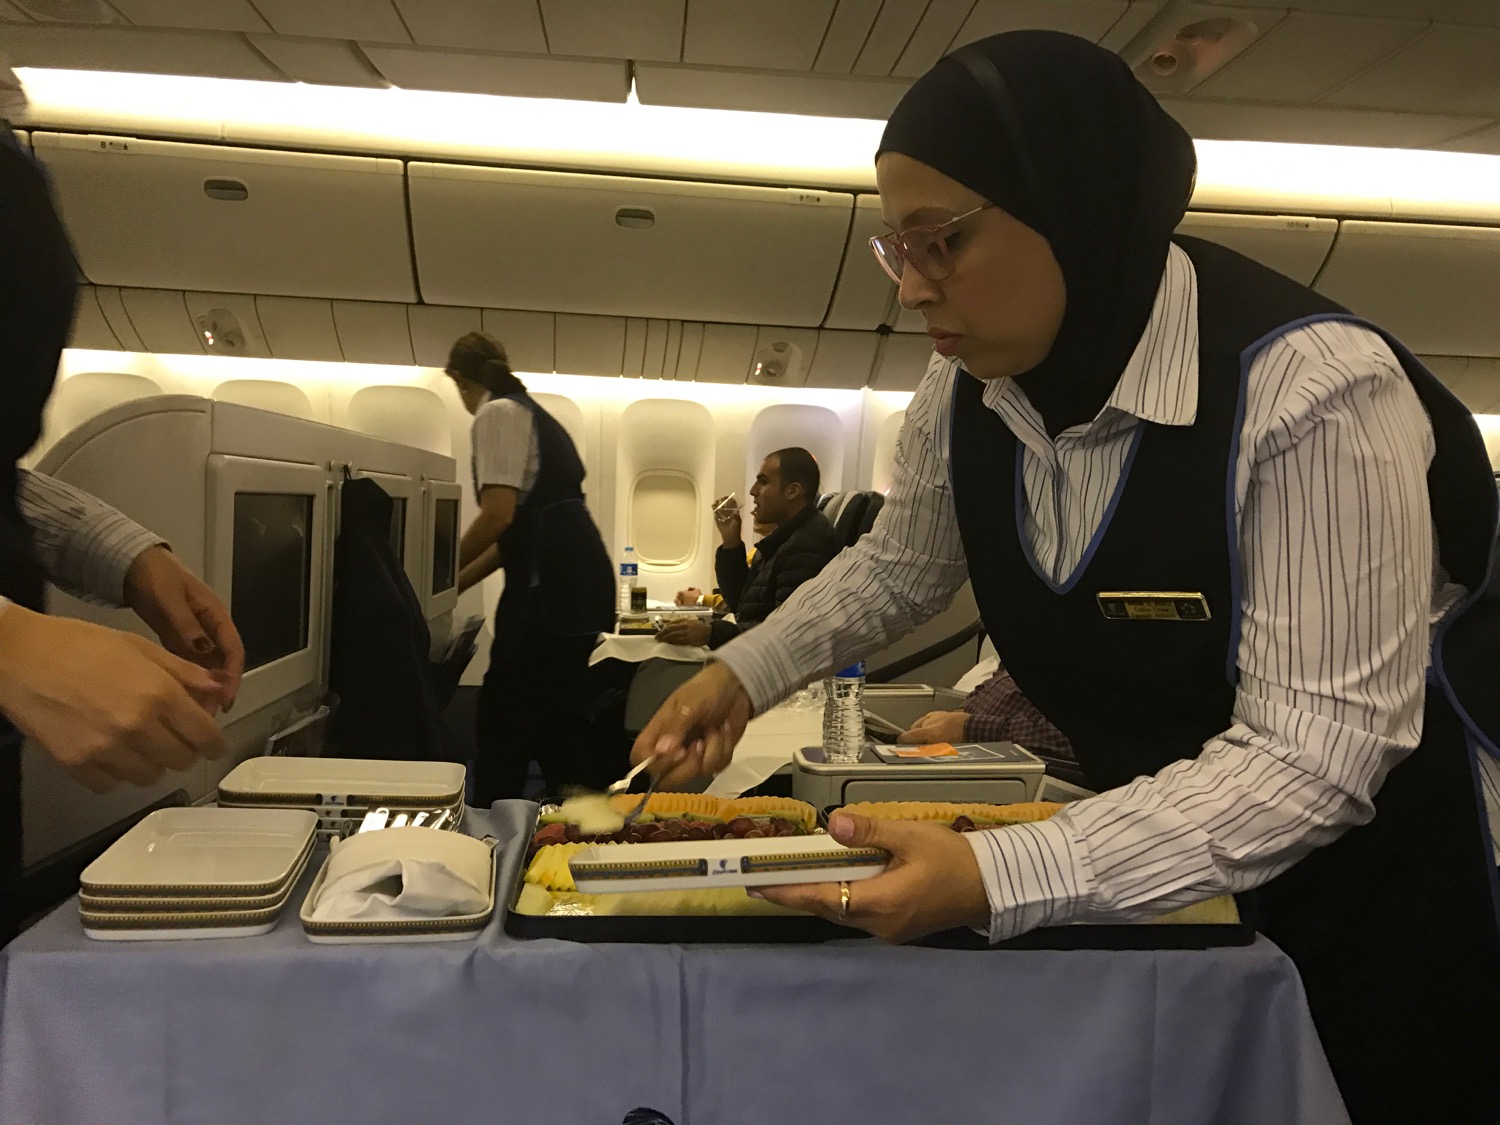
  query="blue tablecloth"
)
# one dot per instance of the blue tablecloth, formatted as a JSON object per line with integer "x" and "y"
{"x": 277, "y": 1030}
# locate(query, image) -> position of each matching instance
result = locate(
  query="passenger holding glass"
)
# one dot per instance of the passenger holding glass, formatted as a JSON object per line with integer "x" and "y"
{"x": 785, "y": 493}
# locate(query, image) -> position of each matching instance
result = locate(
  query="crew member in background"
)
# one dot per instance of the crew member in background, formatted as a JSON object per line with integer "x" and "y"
{"x": 109, "y": 706}
{"x": 785, "y": 493}
{"x": 559, "y": 591}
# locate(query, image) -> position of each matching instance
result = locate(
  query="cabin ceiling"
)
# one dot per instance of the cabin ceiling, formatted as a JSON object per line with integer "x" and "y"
{"x": 1403, "y": 73}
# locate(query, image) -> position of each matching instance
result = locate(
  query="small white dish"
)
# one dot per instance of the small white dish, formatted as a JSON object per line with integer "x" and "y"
{"x": 341, "y": 782}
{"x": 472, "y": 858}
{"x": 203, "y": 852}
{"x": 192, "y": 903}
{"x": 187, "y": 925}
{"x": 622, "y": 868}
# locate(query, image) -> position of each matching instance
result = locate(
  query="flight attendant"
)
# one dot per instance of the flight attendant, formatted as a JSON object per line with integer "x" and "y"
{"x": 1306, "y": 513}
{"x": 559, "y": 591}
{"x": 108, "y": 706}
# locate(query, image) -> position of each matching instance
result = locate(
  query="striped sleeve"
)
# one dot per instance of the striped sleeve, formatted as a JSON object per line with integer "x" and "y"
{"x": 85, "y": 546}
{"x": 903, "y": 572}
{"x": 504, "y": 446}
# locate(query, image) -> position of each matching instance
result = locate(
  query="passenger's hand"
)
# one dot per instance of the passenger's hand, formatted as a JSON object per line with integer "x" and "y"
{"x": 931, "y": 883}
{"x": 685, "y": 633}
{"x": 691, "y": 596}
{"x": 109, "y": 706}
{"x": 187, "y": 615}
{"x": 727, "y": 520}
{"x": 694, "y": 732}
{"x": 936, "y": 726}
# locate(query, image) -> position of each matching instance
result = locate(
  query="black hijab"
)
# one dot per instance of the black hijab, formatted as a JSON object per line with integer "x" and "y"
{"x": 1070, "y": 143}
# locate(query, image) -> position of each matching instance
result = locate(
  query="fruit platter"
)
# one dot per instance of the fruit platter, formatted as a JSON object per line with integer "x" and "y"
{"x": 546, "y": 901}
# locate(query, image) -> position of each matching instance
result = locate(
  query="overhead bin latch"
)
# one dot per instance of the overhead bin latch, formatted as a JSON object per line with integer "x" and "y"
{"x": 233, "y": 190}
{"x": 636, "y": 218}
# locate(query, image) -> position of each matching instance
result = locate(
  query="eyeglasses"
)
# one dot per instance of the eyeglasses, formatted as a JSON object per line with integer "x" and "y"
{"x": 928, "y": 249}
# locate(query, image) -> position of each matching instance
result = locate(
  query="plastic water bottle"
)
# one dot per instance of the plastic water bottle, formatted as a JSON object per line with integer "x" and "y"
{"x": 844, "y": 715}
{"x": 628, "y": 571}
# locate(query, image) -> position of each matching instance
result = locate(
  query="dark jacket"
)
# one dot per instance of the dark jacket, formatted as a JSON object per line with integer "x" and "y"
{"x": 791, "y": 555}
{"x": 378, "y": 658}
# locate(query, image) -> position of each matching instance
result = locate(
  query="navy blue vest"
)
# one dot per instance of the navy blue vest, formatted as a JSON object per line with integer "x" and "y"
{"x": 552, "y": 547}
{"x": 1388, "y": 922}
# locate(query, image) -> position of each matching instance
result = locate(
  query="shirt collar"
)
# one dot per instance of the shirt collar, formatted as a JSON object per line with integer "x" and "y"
{"x": 1160, "y": 382}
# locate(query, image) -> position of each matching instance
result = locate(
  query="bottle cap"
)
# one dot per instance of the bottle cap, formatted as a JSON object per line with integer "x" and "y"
{"x": 854, "y": 671}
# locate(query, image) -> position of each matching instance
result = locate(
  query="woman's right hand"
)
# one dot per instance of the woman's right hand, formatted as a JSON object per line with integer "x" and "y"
{"x": 695, "y": 731}
{"x": 109, "y": 706}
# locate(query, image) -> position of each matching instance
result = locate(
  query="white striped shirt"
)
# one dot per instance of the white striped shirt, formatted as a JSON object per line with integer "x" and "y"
{"x": 85, "y": 546}
{"x": 505, "y": 449}
{"x": 1340, "y": 595}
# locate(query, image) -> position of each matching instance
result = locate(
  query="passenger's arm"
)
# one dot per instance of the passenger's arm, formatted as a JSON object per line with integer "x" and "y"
{"x": 905, "y": 571}
{"x": 85, "y": 546}
{"x": 480, "y": 569}
{"x": 730, "y": 571}
{"x": 497, "y": 510}
{"x": 102, "y": 556}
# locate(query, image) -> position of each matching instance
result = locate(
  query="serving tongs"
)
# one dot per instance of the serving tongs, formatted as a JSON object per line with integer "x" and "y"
{"x": 623, "y": 786}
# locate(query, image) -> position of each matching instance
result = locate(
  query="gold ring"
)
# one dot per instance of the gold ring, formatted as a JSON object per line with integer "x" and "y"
{"x": 843, "y": 902}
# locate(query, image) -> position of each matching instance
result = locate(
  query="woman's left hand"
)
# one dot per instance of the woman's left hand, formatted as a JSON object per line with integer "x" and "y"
{"x": 931, "y": 883}
{"x": 187, "y": 615}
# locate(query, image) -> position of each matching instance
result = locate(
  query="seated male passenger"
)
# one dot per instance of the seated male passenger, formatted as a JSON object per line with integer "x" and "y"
{"x": 996, "y": 711}
{"x": 715, "y": 600}
{"x": 785, "y": 493}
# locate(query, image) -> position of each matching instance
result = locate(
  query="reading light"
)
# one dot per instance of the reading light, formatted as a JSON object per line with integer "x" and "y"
{"x": 221, "y": 332}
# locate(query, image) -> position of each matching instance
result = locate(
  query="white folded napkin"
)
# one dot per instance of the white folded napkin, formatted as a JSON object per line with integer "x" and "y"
{"x": 398, "y": 889}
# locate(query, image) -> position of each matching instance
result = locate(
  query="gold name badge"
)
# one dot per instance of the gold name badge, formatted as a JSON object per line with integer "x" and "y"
{"x": 1152, "y": 605}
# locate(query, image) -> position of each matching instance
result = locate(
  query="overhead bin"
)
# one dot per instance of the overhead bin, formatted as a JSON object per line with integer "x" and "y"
{"x": 90, "y": 329}
{"x": 163, "y": 214}
{"x": 434, "y": 329}
{"x": 161, "y": 318}
{"x": 865, "y": 294}
{"x": 370, "y": 332}
{"x": 590, "y": 345}
{"x": 725, "y": 355}
{"x": 902, "y": 363}
{"x": 568, "y": 243}
{"x": 528, "y": 337}
{"x": 843, "y": 359}
{"x": 1296, "y": 245}
{"x": 1432, "y": 286}
{"x": 299, "y": 328}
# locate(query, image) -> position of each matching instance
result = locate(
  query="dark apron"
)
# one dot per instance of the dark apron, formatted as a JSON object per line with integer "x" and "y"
{"x": 1393, "y": 926}
{"x": 37, "y": 282}
{"x": 552, "y": 549}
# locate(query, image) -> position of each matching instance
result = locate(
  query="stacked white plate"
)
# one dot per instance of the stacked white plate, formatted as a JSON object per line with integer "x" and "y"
{"x": 341, "y": 790}
{"x": 197, "y": 873}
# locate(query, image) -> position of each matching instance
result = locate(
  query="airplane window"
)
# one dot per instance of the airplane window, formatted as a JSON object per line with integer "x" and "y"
{"x": 666, "y": 518}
